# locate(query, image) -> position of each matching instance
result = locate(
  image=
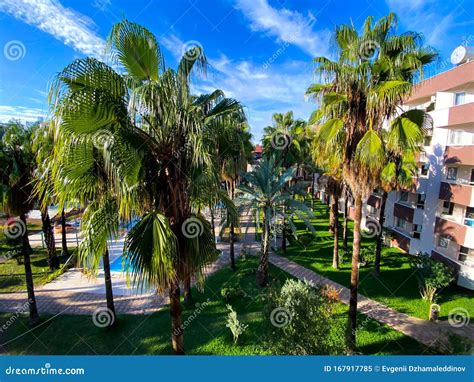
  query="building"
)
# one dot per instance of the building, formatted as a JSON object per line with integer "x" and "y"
{"x": 437, "y": 215}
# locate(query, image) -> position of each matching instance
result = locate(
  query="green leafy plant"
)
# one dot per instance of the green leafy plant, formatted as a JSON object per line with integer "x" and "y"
{"x": 432, "y": 276}
{"x": 367, "y": 256}
{"x": 302, "y": 320}
{"x": 230, "y": 294}
{"x": 236, "y": 327}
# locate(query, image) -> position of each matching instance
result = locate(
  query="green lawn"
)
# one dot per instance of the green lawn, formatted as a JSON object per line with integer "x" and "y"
{"x": 205, "y": 334}
{"x": 397, "y": 287}
{"x": 12, "y": 274}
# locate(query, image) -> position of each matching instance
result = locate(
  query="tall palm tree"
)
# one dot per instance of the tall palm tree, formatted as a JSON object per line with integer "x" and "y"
{"x": 331, "y": 167}
{"x": 286, "y": 139}
{"x": 266, "y": 191}
{"x": 16, "y": 172}
{"x": 156, "y": 141}
{"x": 42, "y": 146}
{"x": 398, "y": 174}
{"x": 374, "y": 72}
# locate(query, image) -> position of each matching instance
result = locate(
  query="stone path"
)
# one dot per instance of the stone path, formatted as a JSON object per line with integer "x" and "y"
{"x": 74, "y": 293}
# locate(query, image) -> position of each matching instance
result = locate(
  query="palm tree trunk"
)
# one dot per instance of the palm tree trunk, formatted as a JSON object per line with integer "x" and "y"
{"x": 262, "y": 270}
{"x": 109, "y": 295}
{"x": 26, "y": 249}
{"x": 283, "y": 232}
{"x": 355, "y": 272}
{"x": 331, "y": 214}
{"x": 232, "y": 232}
{"x": 48, "y": 233}
{"x": 378, "y": 247}
{"x": 64, "y": 251}
{"x": 213, "y": 224}
{"x": 177, "y": 339}
{"x": 188, "y": 298}
{"x": 346, "y": 221}
{"x": 335, "y": 212}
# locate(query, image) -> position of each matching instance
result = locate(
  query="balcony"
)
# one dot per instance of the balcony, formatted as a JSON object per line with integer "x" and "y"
{"x": 461, "y": 114}
{"x": 374, "y": 200}
{"x": 399, "y": 239}
{"x": 460, "y": 233}
{"x": 457, "y": 193}
{"x": 404, "y": 211}
{"x": 463, "y": 155}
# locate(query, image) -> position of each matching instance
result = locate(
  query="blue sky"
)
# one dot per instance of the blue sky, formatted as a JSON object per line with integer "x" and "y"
{"x": 259, "y": 50}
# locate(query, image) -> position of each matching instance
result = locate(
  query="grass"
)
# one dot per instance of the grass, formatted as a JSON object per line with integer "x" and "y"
{"x": 397, "y": 287}
{"x": 12, "y": 274}
{"x": 206, "y": 332}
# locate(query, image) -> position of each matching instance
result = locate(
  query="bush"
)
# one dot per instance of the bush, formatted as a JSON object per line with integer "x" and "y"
{"x": 367, "y": 256}
{"x": 230, "y": 294}
{"x": 302, "y": 318}
{"x": 233, "y": 323}
{"x": 432, "y": 275}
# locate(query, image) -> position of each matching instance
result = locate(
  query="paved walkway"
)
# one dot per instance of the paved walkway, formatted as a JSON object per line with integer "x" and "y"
{"x": 75, "y": 293}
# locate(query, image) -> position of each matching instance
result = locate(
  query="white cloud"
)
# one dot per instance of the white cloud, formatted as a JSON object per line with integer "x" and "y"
{"x": 286, "y": 25}
{"x": 24, "y": 114}
{"x": 64, "y": 24}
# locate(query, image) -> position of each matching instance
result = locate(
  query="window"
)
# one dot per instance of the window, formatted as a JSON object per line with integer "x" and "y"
{"x": 472, "y": 176}
{"x": 443, "y": 241}
{"x": 469, "y": 217}
{"x": 447, "y": 208}
{"x": 404, "y": 196}
{"x": 464, "y": 253}
{"x": 427, "y": 140}
{"x": 452, "y": 173}
{"x": 459, "y": 98}
{"x": 400, "y": 223}
{"x": 420, "y": 203}
{"x": 424, "y": 169}
{"x": 459, "y": 137}
{"x": 417, "y": 230}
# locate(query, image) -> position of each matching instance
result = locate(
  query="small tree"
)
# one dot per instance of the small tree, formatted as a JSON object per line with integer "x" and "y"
{"x": 432, "y": 276}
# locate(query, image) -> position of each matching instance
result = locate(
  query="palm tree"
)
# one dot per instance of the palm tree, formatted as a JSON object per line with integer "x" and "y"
{"x": 16, "y": 171}
{"x": 373, "y": 74}
{"x": 266, "y": 191}
{"x": 157, "y": 137}
{"x": 398, "y": 174}
{"x": 232, "y": 153}
{"x": 331, "y": 168}
{"x": 43, "y": 148}
{"x": 286, "y": 139}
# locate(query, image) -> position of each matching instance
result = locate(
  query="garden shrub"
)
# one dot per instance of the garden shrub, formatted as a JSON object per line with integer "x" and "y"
{"x": 302, "y": 320}
{"x": 230, "y": 293}
{"x": 432, "y": 275}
